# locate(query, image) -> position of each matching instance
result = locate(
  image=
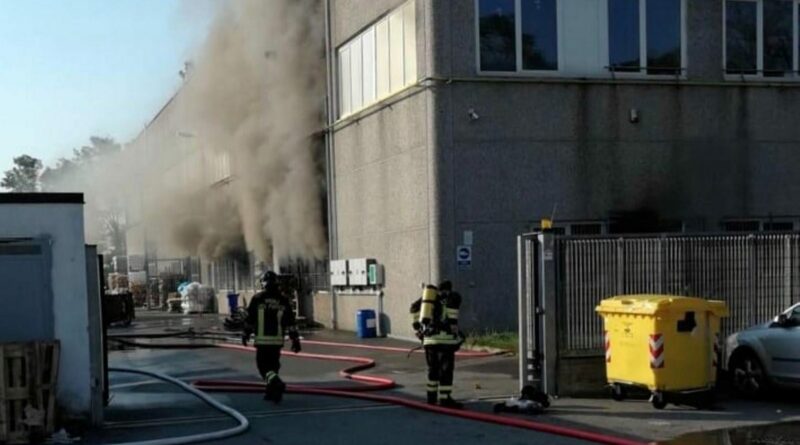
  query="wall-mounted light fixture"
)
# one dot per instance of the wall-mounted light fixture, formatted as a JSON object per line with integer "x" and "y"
{"x": 633, "y": 115}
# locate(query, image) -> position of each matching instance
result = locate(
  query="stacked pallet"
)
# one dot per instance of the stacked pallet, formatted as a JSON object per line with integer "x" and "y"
{"x": 28, "y": 376}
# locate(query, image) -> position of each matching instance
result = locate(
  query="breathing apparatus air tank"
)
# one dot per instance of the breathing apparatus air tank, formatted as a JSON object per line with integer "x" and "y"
{"x": 429, "y": 294}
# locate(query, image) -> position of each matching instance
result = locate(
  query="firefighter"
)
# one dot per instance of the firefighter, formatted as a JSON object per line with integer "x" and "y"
{"x": 269, "y": 316}
{"x": 435, "y": 320}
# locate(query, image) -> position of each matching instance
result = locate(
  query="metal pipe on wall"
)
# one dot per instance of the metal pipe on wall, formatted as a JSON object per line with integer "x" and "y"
{"x": 330, "y": 156}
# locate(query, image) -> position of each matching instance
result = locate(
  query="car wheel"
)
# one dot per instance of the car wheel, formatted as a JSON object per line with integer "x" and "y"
{"x": 747, "y": 375}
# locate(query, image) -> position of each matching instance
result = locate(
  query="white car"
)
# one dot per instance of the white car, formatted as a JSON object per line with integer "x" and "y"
{"x": 766, "y": 355}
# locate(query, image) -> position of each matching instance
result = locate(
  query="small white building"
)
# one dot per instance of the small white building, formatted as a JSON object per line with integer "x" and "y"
{"x": 49, "y": 290}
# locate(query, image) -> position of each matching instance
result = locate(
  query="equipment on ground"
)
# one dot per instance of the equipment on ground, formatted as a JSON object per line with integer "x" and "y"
{"x": 530, "y": 401}
{"x": 118, "y": 307}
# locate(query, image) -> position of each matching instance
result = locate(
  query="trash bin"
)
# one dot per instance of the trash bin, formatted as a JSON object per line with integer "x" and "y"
{"x": 233, "y": 302}
{"x": 366, "y": 323}
{"x": 667, "y": 344}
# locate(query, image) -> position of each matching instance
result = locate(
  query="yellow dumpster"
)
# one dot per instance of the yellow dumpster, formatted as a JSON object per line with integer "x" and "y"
{"x": 665, "y": 343}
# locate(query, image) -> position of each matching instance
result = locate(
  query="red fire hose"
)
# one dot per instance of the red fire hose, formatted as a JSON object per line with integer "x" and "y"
{"x": 371, "y": 383}
{"x": 374, "y": 383}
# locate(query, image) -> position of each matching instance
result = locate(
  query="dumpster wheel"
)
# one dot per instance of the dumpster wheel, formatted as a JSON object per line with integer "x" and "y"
{"x": 618, "y": 392}
{"x": 658, "y": 400}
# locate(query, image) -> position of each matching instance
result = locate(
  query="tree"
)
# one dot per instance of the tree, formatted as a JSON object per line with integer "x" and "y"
{"x": 114, "y": 231}
{"x": 24, "y": 176}
{"x": 67, "y": 171}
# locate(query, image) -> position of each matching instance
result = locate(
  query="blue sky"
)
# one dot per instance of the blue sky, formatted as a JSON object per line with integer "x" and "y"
{"x": 70, "y": 69}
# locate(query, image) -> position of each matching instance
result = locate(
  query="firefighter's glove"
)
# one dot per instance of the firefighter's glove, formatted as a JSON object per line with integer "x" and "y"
{"x": 417, "y": 326}
{"x": 419, "y": 334}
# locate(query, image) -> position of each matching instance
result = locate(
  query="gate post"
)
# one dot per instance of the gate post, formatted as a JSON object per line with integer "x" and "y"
{"x": 752, "y": 272}
{"x": 546, "y": 311}
{"x": 787, "y": 270}
{"x": 620, "y": 266}
{"x": 524, "y": 315}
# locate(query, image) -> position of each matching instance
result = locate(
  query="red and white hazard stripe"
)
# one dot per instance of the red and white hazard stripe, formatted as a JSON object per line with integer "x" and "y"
{"x": 607, "y": 341}
{"x": 656, "y": 351}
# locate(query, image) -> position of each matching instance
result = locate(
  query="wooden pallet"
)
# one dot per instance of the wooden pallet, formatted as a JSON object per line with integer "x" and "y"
{"x": 28, "y": 376}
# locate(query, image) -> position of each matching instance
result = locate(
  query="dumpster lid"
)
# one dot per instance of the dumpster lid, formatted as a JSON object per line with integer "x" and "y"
{"x": 650, "y": 304}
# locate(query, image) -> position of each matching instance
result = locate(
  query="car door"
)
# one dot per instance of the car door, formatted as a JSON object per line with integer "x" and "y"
{"x": 782, "y": 344}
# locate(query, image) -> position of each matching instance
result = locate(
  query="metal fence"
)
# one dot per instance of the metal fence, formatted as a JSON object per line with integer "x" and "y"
{"x": 757, "y": 275}
{"x": 562, "y": 279}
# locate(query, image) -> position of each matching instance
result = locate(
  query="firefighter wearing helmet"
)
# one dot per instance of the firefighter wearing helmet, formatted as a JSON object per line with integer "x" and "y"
{"x": 270, "y": 317}
{"x": 435, "y": 321}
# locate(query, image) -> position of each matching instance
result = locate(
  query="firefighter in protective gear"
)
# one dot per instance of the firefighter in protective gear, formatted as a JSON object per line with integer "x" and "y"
{"x": 269, "y": 316}
{"x": 435, "y": 320}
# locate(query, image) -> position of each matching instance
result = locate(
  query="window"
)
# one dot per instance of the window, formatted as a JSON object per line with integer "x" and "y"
{"x": 623, "y": 35}
{"x": 498, "y": 35}
{"x": 586, "y": 229}
{"x": 741, "y": 44}
{"x": 380, "y": 61}
{"x": 779, "y": 226}
{"x": 539, "y": 37}
{"x": 503, "y": 49}
{"x": 741, "y": 226}
{"x": 581, "y": 38}
{"x": 761, "y": 37}
{"x": 645, "y": 36}
{"x": 778, "y": 36}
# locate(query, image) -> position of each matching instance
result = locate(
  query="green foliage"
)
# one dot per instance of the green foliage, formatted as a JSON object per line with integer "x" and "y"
{"x": 24, "y": 176}
{"x": 505, "y": 340}
{"x": 53, "y": 178}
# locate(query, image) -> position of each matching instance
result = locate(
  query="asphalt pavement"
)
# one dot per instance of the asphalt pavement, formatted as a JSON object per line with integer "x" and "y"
{"x": 142, "y": 408}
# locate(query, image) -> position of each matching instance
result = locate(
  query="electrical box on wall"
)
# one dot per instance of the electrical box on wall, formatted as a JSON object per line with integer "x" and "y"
{"x": 339, "y": 275}
{"x": 357, "y": 271}
{"x": 375, "y": 274}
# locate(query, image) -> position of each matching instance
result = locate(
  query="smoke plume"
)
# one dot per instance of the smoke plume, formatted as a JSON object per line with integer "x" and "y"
{"x": 233, "y": 161}
{"x": 256, "y": 93}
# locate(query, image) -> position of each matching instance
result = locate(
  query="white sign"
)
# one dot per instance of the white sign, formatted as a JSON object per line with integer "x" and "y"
{"x": 464, "y": 257}
{"x": 468, "y": 237}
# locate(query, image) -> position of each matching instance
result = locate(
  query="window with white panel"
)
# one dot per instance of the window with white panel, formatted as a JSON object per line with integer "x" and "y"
{"x": 762, "y": 38}
{"x": 580, "y": 37}
{"x": 378, "y": 62}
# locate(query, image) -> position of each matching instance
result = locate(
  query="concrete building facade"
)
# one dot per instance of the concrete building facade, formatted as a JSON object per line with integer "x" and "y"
{"x": 606, "y": 115}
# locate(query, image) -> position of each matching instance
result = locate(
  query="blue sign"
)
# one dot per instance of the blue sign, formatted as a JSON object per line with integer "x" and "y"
{"x": 464, "y": 257}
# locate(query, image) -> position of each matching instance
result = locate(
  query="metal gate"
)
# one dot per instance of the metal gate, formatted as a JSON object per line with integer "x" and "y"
{"x": 562, "y": 279}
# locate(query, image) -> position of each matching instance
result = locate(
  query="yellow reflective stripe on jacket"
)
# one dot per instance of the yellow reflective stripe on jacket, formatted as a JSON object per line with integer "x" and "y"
{"x": 414, "y": 316}
{"x": 451, "y": 313}
{"x": 441, "y": 339}
{"x": 266, "y": 340}
{"x": 260, "y": 325}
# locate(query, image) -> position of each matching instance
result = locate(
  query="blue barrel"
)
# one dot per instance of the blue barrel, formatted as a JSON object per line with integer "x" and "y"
{"x": 366, "y": 323}
{"x": 233, "y": 302}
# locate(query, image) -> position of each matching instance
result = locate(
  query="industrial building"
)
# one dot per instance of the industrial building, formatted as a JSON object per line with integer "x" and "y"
{"x": 454, "y": 126}
{"x": 461, "y": 124}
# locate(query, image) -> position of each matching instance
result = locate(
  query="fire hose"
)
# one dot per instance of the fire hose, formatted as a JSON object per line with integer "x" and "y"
{"x": 376, "y": 383}
{"x": 244, "y": 424}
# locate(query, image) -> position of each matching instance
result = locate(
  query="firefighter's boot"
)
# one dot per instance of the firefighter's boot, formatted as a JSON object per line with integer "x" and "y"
{"x": 449, "y": 402}
{"x": 280, "y": 388}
